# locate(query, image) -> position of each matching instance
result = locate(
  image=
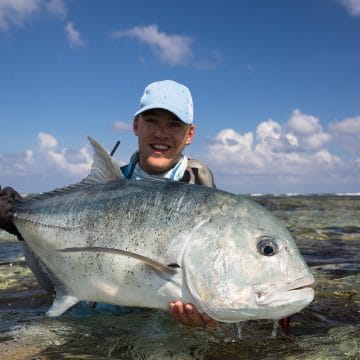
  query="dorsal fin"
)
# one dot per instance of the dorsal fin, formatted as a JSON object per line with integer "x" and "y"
{"x": 104, "y": 167}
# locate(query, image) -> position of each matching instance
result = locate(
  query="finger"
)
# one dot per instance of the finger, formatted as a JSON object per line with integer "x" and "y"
{"x": 193, "y": 315}
{"x": 18, "y": 197}
{"x": 7, "y": 197}
{"x": 8, "y": 190}
{"x": 179, "y": 308}
{"x": 12, "y": 192}
{"x": 171, "y": 309}
{"x": 6, "y": 205}
{"x": 209, "y": 321}
{"x": 177, "y": 311}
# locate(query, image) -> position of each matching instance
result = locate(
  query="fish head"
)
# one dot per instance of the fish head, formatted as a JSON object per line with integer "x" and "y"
{"x": 243, "y": 264}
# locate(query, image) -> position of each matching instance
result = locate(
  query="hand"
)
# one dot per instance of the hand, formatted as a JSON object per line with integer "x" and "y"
{"x": 8, "y": 196}
{"x": 188, "y": 315}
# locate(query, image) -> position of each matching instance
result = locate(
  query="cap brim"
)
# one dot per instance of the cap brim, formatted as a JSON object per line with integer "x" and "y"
{"x": 163, "y": 107}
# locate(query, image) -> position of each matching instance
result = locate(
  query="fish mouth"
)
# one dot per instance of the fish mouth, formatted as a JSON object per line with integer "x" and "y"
{"x": 267, "y": 302}
{"x": 297, "y": 291}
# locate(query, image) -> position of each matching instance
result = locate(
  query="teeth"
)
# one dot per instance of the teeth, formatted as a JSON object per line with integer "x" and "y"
{"x": 160, "y": 147}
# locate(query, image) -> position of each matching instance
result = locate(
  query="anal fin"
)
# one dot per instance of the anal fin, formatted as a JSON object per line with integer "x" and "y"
{"x": 61, "y": 304}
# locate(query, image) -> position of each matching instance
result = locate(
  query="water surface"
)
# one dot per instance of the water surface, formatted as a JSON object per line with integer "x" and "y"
{"x": 327, "y": 231}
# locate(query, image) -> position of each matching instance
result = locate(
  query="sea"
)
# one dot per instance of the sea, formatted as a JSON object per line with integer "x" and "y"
{"x": 326, "y": 228}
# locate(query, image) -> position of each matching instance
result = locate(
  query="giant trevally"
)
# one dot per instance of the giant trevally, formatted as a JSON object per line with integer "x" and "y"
{"x": 146, "y": 243}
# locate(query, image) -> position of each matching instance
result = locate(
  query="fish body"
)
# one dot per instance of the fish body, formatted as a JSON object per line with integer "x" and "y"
{"x": 146, "y": 243}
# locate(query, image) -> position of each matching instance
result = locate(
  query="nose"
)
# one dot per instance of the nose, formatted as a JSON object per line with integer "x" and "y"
{"x": 161, "y": 132}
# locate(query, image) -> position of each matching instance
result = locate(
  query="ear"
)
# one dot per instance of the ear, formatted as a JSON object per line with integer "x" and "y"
{"x": 190, "y": 135}
{"x": 136, "y": 125}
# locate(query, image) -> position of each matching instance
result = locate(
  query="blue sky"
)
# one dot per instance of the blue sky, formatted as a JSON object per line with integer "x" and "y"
{"x": 275, "y": 84}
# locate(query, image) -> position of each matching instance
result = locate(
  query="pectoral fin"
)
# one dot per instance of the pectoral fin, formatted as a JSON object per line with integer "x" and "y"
{"x": 171, "y": 268}
{"x": 61, "y": 304}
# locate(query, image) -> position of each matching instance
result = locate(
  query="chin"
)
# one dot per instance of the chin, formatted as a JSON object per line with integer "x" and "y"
{"x": 158, "y": 165}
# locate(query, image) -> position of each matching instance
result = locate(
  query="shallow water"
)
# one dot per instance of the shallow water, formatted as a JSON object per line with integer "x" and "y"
{"x": 327, "y": 231}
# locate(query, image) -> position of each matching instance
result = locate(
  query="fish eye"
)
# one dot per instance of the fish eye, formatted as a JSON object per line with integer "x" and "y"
{"x": 267, "y": 246}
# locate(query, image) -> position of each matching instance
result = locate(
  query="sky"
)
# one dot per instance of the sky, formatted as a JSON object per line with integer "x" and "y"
{"x": 275, "y": 85}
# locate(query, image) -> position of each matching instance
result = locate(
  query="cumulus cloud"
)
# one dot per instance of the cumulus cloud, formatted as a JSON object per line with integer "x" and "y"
{"x": 282, "y": 154}
{"x": 63, "y": 160}
{"x": 46, "y": 141}
{"x": 353, "y": 6}
{"x": 17, "y": 12}
{"x": 69, "y": 161}
{"x": 308, "y": 130}
{"x": 73, "y": 163}
{"x": 303, "y": 124}
{"x": 347, "y": 133}
{"x": 122, "y": 126}
{"x": 73, "y": 36}
{"x": 173, "y": 49}
{"x": 46, "y": 160}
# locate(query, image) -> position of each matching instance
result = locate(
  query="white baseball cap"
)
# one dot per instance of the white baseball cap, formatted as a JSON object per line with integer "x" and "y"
{"x": 168, "y": 95}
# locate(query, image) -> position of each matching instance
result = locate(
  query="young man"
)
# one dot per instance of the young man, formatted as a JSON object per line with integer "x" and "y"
{"x": 164, "y": 126}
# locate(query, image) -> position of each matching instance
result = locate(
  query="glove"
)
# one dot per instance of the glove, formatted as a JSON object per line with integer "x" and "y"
{"x": 8, "y": 196}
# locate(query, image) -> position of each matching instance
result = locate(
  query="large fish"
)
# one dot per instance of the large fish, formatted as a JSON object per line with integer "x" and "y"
{"x": 149, "y": 242}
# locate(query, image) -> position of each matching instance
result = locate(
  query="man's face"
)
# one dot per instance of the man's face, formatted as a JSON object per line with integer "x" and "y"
{"x": 162, "y": 138}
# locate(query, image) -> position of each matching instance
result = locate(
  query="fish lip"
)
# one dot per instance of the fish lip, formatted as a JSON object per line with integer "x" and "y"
{"x": 265, "y": 295}
{"x": 301, "y": 283}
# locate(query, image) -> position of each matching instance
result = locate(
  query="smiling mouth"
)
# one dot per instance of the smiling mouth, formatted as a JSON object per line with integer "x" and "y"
{"x": 160, "y": 147}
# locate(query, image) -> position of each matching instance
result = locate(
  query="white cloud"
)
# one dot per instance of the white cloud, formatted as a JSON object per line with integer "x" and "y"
{"x": 73, "y": 36}
{"x": 70, "y": 162}
{"x": 16, "y": 164}
{"x": 46, "y": 160}
{"x": 353, "y": 6}
{"x": 17, "y": 12}
{"x": 347, "y": 126}
{"x": 173, "y": 49}
{"x": 236, "y": 147}
{"x": 29, "y": 157}
{"x": 270, "y": 134}
{"x": 347, "y": 133}
{"x": 63, "y": 160}
{"x": 46, "y": 141}
{"x": 303, "y": 124}
{"x": 57, "y": 8}
{"x": 122, "y": 126}
{"x": 290, "y": 157}
{"x": 293, "y": 152}
{"x": 307, "y": 130}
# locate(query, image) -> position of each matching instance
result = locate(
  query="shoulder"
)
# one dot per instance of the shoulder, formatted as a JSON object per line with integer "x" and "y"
{"x": 198, "y": 173}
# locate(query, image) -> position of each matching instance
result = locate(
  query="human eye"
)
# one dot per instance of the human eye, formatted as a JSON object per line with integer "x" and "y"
{"x": 176, "y": 124}
{"x": 150, "y": 120}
